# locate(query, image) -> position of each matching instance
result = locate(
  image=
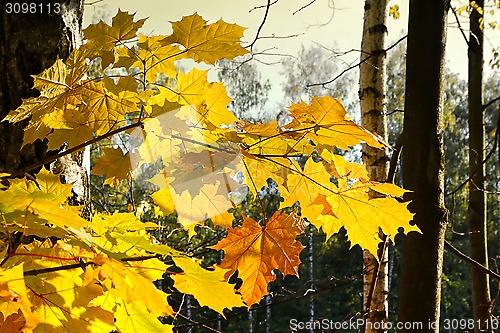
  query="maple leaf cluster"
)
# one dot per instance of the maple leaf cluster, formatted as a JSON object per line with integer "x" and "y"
{"x": 97, "y": 275}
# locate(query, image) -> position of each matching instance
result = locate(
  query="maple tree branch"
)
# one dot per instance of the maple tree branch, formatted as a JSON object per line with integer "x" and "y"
{"x": 70, "y": 150}
{"x": 394, "y": 159}
{"x": 323, "y": 84}
{"x": 258, "y": 196}
{"x": 471, "y": 261}
{"x": 35, "y": 272}
{"x": 202, "y": 144}
{"x": 141, "y": 258}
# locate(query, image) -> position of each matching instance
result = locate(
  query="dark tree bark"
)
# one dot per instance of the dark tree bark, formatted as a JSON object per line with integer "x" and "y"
{"x": 372, "y": 94}
{"x": 477, "y": 197}
{"x": 29, "y": 44}
{"x": 423, "y": 164}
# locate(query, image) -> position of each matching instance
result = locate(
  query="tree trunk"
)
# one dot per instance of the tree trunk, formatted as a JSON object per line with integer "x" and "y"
{"x": 29, "y": 44}
{"x": 423, "y": 166}
{"x": 372, "y": 81}
{"x": 477, "y": 197}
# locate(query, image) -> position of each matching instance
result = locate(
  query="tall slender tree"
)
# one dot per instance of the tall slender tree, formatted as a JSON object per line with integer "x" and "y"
{"x": 372, "y": 93}
{"x": 423, "y": 165}
{"x": 477, "y": 196}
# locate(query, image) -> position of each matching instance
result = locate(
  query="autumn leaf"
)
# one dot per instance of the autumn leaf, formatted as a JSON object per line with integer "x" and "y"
{"x": 351, "y": 206}
{"x": 191, "y": 210}
{"x": 47, "y": 202}
{"x": 114, "y": 164}
{"x": 102, "y": 38}
{"x": 207, "y": 43}
{"x": 153, "y": 57}
{"x": 135, "y": 318}
{"x": 130, "y": 285}
{"x": 325, "y": 122}
{"x": 105, "y": 110}
{"x": 207, "y": 286}
{"x": 14, "y": 299}
{"x": 256, "y": 251}
{"x": 305, "y": 185}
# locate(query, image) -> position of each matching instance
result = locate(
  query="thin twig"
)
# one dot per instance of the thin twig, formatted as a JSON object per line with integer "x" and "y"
{"x": 459, "y": 25}
{"x": 494, "y": 100}
{"x": 304, "y": 7}
{"x": 263, "y": 6}
{"x": 323, "y": 84}
{"x": 465, "y": 257}
{"x": 261, "y": 25}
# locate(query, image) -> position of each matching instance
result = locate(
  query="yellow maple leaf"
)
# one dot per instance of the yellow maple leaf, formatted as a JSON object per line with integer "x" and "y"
{"x": 351, "y": 206}
{"x": 60, "y": 297}
{"x": 132, "y": 286}
{"x": 305, "y": 186}
{"x": 14, "y": 297}
{"x": 191, "y": 210}
{"x": 114, "y": 164}
{"x": 207, "y": 43}
{"x": 69, "y": 126}
{"x": 214, "y": 110}
{"x": 338, "y": 167}
{"x": 325, "y": 122}
{"x": 134, "y": 317}
{"x": 55, "y": 93}
{"x": 207, "y": 286}
{"x": 160, "y": 139}
{"x": 255, "y": 251}
{"x": 119, "y": 222}
{"x": 155, "y": 57}
{"x": 190, "y": 88}
{"x": 258, "y": 170}
{"x": 104, "y": 109}
{"x": 102, "y": 38}
{"x": 46, "y": 203}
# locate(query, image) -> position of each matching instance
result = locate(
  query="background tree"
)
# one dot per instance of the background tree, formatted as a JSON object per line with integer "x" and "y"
{"x": 423, "y": 163}
{"x": 30, "y": 43}
{"x": 477, "y": 196}
{"x": 372, "y": 94}
{"x": 246, "y": 87}
{"x": 313, "y": 65}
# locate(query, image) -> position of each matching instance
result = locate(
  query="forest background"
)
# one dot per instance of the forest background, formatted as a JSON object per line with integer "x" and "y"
{"x": 331, "y": 285}
{"x": 304, "y": 46}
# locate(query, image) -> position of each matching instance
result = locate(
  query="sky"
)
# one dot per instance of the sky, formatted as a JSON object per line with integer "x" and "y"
{"x": 325, "y": 22}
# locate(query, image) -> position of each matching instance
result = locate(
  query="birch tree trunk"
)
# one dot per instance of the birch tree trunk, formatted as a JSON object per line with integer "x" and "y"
{"x": 372, "y": 94}
{"x": 29, "y": 44}
{"x": 423, "y": 166}
{"x": 477, "y": 197}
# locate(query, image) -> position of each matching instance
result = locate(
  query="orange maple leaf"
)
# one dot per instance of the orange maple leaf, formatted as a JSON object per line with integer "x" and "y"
{"x": 256, "y": 251}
